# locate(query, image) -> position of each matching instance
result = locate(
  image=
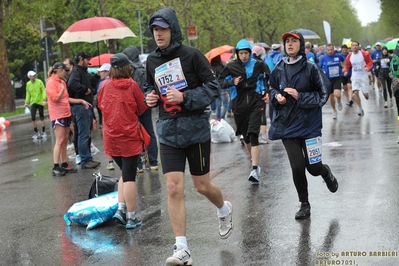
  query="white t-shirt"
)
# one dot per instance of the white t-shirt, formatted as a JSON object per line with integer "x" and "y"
{"x": 358, "y": 65}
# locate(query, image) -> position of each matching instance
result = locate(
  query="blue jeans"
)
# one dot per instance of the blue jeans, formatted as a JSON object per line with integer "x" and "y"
{"x": 222, "y": 104}
{"x": 84, "y": 119}
{"x": 146, "y": 120}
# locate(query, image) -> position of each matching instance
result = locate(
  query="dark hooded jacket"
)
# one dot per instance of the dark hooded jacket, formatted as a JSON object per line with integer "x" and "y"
{"x": 184, "y": 124}
{"x": 248, "y": 94}
{"x": 137, "y": 69}
{"x": 300, "y": 118}
{"x": 78, "y": 83}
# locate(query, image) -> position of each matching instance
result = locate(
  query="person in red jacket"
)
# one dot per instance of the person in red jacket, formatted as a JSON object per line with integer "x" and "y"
{"x": 360, "y": 62}
{"x": 121, "y": 102}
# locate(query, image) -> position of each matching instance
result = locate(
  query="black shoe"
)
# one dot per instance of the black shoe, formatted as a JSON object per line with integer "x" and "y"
{"x": 330, "y": 180}
{"x": 304, "y": 211}
{"x": 57, "y": 171}
{"x": 350, "y": 103}
{"x": 69, "y": 169}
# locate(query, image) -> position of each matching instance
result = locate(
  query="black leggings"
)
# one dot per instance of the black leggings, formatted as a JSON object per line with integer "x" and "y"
{"x": 386, "y": 85}
{"x": 128, "y": 165}
{"x": 298, "y": 157}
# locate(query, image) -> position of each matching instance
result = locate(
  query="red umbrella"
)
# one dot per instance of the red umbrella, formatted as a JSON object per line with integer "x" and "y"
{"x": 218, "y": 51}
{"x": 96, "y": 29}
{"x": 100, "y": 59}
{"x": 226, "y": 57}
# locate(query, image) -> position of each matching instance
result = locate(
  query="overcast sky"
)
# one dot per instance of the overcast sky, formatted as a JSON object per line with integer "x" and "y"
{"x": 367, "y": 10}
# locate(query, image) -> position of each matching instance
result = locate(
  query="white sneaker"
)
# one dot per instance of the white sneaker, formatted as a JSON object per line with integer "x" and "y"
{"x": 93, "y": 150}
{"x": 334, "y": 114}
{"x": 180, "y": 256}
{"x": 361, "y": 112}
{"x": 78, "y": 159}
{"x": 70, "y": 147}
{"x": 391, "y": 103}
{"x": 339, "y": 106}
{"x": 254, "y": 176}
{"x": 36, "y": 135}
{"x": 263, "y": 141}
{"x": 44, "y": 135}
{"x": 110, "y": 166}
{"x": 226, "y": 223}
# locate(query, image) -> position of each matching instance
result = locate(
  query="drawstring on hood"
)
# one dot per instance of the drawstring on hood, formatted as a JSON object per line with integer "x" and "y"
{"x": 169, "y": 15}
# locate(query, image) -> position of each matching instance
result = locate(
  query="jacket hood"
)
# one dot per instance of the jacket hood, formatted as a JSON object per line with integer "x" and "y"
{"x": 243, "y": 45}
{"x": 169, "y": 15}
{"x": 302, "y": 43}
{"x": 132, "y": 52}
{"x": 120, "y": 84}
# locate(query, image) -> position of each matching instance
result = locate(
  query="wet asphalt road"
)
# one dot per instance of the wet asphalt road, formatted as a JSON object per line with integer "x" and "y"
{"x": 358, "y": 225}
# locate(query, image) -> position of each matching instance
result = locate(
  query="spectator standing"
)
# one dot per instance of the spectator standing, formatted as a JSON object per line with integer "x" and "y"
{"x": 138, "y": 73}
{"x": 121, "y": 102}
{"x": 79, "y": 87}
{"x": 60, "y": 116}
{"x": 36, "y": 97}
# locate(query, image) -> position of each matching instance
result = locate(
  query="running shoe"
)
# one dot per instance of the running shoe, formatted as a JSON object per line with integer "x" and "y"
{"x": 350, "y": 103}
{"x": 70, "y": 147}
{"x": 386, "y": 105}
{"x": 180, "y": 256}
{"x": 254, "y": 176}
{"x": 57, "y": 171}
{"x": 330, "y": 180}
{"x": 69, "y": 169}
{"x": 132, "y": 223}
{"x": 226, "y": 222}
{"x": 153, "y": 167}
{"x": 110, "y": 166}
{"x": 44, "y": 135}
{"x": 94, "y": 151}
{"x": 361, "y": 112}
{"x": 78, "y": 159}
{"x": 339, "y": 106}
{"x": 304, "y": 211}
{"x": 120, "y": 217}
{"x": 140, "y": 169}
{"x": 391, "y": 103}
{"x": 334, "y": 114}
{"x": 36, "y": 135}
{"x": 263, "y": 141}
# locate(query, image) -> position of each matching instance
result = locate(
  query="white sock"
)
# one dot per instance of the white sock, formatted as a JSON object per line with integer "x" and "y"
{"x": 224, "y": 211}
{"x": 182, "y": 242}
{"x": 122, "y": 206}
{"x": 130, "y": 215}
{"x": 264, "y": 136}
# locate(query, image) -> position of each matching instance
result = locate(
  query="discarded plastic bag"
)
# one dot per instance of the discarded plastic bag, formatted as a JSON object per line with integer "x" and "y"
{"x": 93, "y": 212}
{"x": 221, "y": 131}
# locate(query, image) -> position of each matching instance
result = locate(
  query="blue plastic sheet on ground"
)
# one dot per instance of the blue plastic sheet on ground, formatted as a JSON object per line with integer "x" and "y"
{"x": 93, "y": 212}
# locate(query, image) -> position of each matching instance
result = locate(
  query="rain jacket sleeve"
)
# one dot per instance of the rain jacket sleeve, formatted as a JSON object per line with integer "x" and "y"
{"x": 321, "y": 85}
{"x": 201, "y": 97}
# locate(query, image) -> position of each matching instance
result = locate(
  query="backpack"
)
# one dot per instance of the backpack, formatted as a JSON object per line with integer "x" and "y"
{"x": 394, "y": 65}
{"x": 139, "y": 75}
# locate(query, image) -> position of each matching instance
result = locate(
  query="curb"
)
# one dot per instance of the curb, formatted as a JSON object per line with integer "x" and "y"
{"x": 23, "y": 119}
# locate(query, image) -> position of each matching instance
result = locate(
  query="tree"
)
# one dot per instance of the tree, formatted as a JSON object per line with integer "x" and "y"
{"x": 7, "y": 103}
